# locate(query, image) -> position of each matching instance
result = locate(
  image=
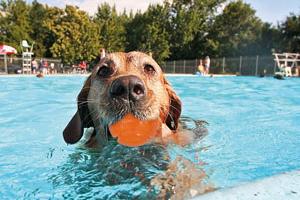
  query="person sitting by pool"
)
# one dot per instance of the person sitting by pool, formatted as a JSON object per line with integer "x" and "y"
{"x": 43, "y": 66}
{"x": 288, "y": 71}
{"x": 83, "y": 66}
{"x": 201, "y": 69}
{"x": 263, "y": 74}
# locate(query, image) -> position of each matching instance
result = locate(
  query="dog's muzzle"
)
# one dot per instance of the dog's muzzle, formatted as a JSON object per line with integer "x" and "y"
{"x": 128, "y": 88}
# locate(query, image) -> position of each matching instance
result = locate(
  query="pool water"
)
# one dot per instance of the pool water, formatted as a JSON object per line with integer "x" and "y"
{"x": 254, "y": 132}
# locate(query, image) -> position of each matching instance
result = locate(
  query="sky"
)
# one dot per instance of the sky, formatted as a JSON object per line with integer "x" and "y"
{"x": 272, "y": 11}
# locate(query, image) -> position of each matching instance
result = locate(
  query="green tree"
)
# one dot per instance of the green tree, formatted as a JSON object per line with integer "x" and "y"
{"x": 269, "y": 40}
{"x": 134, "y": 28}
{"x": 14, "y": 25}
{"x": 178, "y": 29}
{"x": 188, "y": 25}
{"x": 148, "y": 32}
{"x": 235, "y": 31}
{"x": 38, "y": 32}
{"x": 111, "y": 28}
{"x": 52, "y": 20}
{"x": 75, "y": 35}
{"x": 290, "y": 30}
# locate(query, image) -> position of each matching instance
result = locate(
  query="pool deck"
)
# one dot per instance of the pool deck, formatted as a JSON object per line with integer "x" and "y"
{"x": 278, "y": 187}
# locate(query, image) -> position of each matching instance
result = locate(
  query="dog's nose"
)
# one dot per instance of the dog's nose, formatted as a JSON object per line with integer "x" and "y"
{"x": 128, "y": 87}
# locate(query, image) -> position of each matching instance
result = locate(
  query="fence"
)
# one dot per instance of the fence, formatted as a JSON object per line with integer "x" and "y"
{"x": 14, "y": 65}
{"x": 247, "y": 66}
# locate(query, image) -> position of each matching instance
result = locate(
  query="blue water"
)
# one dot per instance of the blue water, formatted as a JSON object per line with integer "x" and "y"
{"x": 254, "y": 132}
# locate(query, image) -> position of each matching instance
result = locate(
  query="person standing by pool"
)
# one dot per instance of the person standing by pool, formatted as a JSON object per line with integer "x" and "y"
{"x": 46, "y": 66}
{"x": 52, "y": 68}
{"x": 34, "y": 66}
{"x": 207, "y": 64}
{"x": 41, "y": 66}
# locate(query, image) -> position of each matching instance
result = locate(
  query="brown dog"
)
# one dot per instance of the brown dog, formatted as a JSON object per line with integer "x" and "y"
{"x": 124, "y": 83}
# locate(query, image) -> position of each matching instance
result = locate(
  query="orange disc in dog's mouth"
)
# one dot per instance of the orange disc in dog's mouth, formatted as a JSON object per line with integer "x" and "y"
{"x": 134, "y": 132}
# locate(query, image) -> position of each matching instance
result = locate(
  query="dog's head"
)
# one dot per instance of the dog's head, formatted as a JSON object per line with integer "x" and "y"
{"x": 124, "y": 83}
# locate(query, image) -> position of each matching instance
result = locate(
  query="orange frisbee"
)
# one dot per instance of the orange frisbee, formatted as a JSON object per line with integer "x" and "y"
{"x": 133, "y": 132}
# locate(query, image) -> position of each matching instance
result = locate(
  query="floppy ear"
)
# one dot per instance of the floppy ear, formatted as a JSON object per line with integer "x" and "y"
{"x": 82, "y": 103}
{"x": 74, "y": 130}
{"x": 174, "y": 109}
{"x": 82, "y": 119}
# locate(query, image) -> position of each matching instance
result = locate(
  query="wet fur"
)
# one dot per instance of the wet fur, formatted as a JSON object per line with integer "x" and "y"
{"x": 96, "y": 109}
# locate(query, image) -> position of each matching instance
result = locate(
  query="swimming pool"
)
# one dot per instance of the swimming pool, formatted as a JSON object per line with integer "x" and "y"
{"x": 253, "y": 133}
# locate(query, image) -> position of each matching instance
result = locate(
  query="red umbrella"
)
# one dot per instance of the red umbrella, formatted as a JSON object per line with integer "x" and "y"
{"x": 8, "y": 50}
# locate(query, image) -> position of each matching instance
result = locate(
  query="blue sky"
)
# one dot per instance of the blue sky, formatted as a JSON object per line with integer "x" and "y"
{"x": 272, "y": 11}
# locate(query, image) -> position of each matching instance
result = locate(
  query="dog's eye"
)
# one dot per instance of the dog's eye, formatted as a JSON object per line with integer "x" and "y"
{"x": 149, "y": 69}
{"x": 105, "y": 71}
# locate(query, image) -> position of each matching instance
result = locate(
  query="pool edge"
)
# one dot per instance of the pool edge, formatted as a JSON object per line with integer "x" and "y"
{"x": 283, "y": 186}
{"x": 85, "y": 75}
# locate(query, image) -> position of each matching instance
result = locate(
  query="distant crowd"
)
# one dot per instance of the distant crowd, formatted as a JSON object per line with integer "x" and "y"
{"x": 43, "y": 67}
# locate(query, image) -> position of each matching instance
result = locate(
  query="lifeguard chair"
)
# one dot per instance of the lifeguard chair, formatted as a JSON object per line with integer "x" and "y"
{"x": 26, "y": 56}
{"x": 286, "y": 62}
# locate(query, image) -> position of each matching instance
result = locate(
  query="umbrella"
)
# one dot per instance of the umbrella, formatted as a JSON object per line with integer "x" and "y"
{"x": 8, "y": 50}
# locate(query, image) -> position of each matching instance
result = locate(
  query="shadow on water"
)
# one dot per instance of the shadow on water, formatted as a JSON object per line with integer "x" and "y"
{"x": 118, "y": 172}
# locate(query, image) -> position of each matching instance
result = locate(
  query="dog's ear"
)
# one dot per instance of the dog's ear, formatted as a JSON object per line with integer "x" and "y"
{"x": 82, "y": 104}
{"x": 82, "y": 119}
{"x": 174, "y": 109}
{"x": 74, "y": 130}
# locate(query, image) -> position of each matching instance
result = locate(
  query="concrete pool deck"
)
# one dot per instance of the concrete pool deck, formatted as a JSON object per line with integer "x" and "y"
{"x": 279, "y": 187}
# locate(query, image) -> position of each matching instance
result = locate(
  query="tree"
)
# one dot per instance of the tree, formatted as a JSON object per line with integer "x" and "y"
{"x": 235, "y": 31}
{"x": 52, "y": 20}
{"x": 177, "y": 29}
{"x": 75, "y": 35}
{"x": 38, "y": 32}
{"x": 269, "y": 40}
{"x": 111, "y": 28}
{"x": 134, "y": 28}
{"x": 148, "y": 32}
{"x": 14, "y": 25}
{"x": 290, "y": 30}
{"x": 188, "y": 25}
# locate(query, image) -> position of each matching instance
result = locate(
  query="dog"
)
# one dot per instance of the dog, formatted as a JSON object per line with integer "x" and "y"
{"x": 123, "y": 83}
